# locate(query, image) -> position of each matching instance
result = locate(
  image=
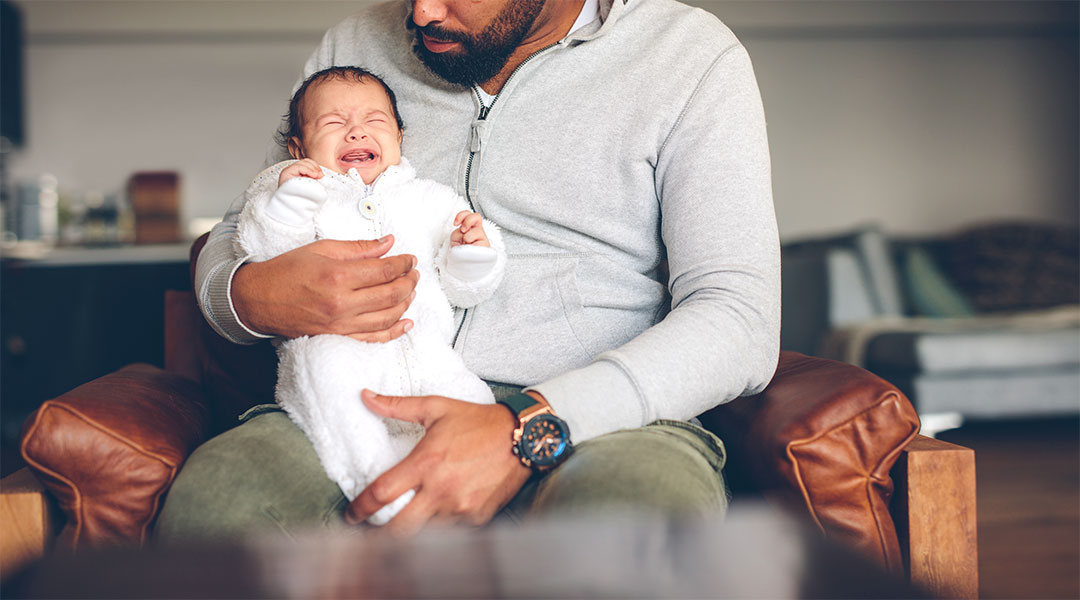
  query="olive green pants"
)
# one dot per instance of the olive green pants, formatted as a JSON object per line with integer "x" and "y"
{"x": 264, "y": 474}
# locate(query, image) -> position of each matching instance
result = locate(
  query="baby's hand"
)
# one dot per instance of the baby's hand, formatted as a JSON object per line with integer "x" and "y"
{"x": 469, "y": 229}
{"x": 305, "y": 167}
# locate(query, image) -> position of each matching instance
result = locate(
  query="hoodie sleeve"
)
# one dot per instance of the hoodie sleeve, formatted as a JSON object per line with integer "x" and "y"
{"x": 721, "y": 338}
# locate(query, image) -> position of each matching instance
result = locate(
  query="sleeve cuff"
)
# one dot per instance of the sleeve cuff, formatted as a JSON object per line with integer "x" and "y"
{"x": 219, "y": 301}
{"x": 472, "y": 287}
{"x": 295, "y": 203}
{"x": 470, "y": 263}
{"x": 596, "y": 399}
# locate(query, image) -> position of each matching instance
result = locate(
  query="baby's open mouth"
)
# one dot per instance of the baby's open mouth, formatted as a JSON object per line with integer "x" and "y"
{"x": 358, "y": 157}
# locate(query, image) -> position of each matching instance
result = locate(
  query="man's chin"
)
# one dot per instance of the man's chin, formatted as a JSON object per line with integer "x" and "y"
{"x": 459, "y": 66}
{"x": 477, "y": 58}
{"x": 452, "y": 66}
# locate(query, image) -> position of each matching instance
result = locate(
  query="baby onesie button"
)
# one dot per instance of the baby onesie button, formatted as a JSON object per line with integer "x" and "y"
{"x": 368, "y": 209}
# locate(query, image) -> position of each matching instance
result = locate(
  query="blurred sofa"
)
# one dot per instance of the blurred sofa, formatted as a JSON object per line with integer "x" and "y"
{"x": 980, "y": 323}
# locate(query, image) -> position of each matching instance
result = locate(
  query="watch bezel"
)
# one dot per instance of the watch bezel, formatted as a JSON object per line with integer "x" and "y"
{"x": 545, "y": 462}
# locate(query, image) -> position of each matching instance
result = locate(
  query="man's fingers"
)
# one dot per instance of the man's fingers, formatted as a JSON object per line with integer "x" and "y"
{"x": 351, "y": 307}
{"x": 366, "y": 273}
{"x": 326, "y": 287}
{"x": 378, "y": 337}
{"x": 415, "y": 409}
{"x": 412, "y": 518}
{"x": 386, "y": 321}
{"x": 356, "y": 249}
{"x": 371, "y": 308}
{"x": 385, "y": 489}
{"x": 399, "y": 292}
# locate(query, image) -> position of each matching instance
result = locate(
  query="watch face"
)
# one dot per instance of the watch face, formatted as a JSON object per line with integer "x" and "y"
{"x": 545, "y": 440}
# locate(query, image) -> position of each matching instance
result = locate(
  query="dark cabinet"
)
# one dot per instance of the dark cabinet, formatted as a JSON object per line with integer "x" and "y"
{"x": 63, "y": 323}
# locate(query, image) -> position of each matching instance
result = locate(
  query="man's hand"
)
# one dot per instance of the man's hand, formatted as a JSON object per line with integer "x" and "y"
{"x": 328, "y": 286}
{"x": 462, "y": 469}
{"x": 469, "y": 229}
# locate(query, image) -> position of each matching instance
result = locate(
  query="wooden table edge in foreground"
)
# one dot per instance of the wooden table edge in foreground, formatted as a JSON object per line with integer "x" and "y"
{"x": 934, "y": 510}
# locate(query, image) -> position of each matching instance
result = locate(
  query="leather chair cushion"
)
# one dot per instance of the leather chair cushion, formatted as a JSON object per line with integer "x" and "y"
{"x": 109, "y": 449}
{"x": 235, "y": 377}
{"x": 822, "y": 438}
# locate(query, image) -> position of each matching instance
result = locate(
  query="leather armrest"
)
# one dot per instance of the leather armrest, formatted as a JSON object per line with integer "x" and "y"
{"x": 109, "y": 449}
{"x": 822, "y": 438}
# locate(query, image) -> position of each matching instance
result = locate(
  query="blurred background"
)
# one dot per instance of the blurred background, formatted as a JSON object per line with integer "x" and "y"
{"x": 925, "y": 170}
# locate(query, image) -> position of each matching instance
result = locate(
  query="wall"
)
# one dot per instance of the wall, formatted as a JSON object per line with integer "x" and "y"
{"x": 922, "y": 116}
{"x": 115, "y": 87}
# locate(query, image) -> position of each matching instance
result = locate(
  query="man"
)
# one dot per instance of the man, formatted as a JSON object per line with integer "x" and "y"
{"x": 608, "y": 139}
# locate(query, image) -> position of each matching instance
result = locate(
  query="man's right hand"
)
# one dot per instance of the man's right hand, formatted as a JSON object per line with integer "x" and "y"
{"x": 328, "y": 286}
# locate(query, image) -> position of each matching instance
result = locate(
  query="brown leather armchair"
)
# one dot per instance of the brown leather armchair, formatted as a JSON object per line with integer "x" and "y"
{"x": 825, "y": 439}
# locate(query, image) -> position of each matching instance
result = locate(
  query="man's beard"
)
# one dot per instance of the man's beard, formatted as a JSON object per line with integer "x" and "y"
{"x": 481, "y": 55}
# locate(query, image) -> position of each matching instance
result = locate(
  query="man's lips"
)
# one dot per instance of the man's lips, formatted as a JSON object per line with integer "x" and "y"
{"x": 435, "y": 45}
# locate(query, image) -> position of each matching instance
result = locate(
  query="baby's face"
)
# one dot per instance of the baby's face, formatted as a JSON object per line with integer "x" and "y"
{"x": 348, "y": 125}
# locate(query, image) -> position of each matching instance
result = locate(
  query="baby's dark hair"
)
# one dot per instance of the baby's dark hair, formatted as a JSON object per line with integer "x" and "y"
{"x": 357, "y": 74}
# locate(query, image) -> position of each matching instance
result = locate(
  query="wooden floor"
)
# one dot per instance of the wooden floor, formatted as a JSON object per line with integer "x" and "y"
{"x": 1028, "y": 478}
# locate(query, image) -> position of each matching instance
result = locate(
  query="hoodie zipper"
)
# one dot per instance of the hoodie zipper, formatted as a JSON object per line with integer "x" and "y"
{"x": 474, "y": 147}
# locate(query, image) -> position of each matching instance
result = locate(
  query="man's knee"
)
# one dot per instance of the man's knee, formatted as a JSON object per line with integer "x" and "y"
{"x": 667, "y": 467}
{"x": 262, "y": 475}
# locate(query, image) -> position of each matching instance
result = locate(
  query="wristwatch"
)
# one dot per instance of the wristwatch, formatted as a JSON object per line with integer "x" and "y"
{"x": 541, "y": 440}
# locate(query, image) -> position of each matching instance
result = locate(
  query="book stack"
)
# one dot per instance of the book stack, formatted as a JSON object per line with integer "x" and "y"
{"x": 155, "y": 200}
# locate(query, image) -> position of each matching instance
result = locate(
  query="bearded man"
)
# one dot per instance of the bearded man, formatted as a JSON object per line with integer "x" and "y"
{"x": 621, "y": 147}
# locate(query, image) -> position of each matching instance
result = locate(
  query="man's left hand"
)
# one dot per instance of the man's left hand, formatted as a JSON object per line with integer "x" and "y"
{"x": 462, "y": 469}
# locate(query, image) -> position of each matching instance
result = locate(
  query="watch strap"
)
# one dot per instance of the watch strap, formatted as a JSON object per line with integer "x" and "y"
{"x": 525, "y": 408}
{"x": 519, "y": 403}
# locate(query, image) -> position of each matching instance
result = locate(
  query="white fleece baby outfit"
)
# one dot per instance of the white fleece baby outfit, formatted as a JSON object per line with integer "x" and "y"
{"x": 320, "y": 377}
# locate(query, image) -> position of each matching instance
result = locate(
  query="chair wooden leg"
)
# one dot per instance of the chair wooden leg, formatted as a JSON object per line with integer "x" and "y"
{"x": 935, "y": 515}
{"x": 27, "y": 521}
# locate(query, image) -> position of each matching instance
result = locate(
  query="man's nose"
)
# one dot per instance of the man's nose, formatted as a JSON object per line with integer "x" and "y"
{"x": 428, "y": 11}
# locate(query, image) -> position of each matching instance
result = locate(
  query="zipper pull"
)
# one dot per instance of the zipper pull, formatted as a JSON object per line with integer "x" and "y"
{"x": 476, "y": 137}
{"x": 484, "y": 111}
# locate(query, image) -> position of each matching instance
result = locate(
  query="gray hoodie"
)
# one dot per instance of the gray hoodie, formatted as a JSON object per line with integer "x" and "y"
{"x": 636, "y": 141}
